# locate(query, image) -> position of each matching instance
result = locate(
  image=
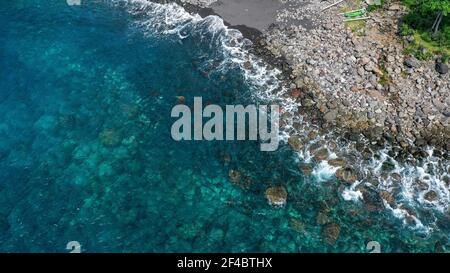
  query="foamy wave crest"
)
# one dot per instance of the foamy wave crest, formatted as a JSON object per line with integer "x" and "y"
{"x": 409, "y": 189}
{"x": 217, "y": 47}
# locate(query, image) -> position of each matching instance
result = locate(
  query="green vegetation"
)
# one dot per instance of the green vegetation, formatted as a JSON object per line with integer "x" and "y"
{"x": 428, "y": 22}
{"x": 358, "y": 26}
{"x": 384, "y": 77}
{"x": 375, "y": 7}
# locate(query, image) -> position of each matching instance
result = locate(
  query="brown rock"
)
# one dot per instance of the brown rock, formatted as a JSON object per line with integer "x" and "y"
{"x": 372, "y": 200}
{"x": 337, "y": 162}
{"x": 276, "y": 196}
{"x": 295, "y": 93}
{"x": 330, "y": 233}
{"x": 388, "y": 197}
{"x": 235, "y": 176}
{"x": 347, "y": 175}
{"x": 295, "y": 143}
{"x": 239, "y": 179}
{"x": 321, "y": 154}
{"x": 180, "y": 99}
{"x": 312, "y": 135}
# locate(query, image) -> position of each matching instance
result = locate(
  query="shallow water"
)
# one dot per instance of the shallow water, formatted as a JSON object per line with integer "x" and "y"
{"x": 86, "y": 153}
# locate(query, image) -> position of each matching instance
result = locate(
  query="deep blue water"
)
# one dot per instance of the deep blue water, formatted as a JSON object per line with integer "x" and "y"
{"x": 86, "y": 153}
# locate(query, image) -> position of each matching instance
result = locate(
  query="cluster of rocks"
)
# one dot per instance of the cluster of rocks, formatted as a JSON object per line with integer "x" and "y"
{"x": 359, "y": 76}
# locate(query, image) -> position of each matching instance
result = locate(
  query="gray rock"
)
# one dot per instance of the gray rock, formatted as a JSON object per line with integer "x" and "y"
{"x": 369, "y": 67}
{"x": 351, "y": 60}
{"x": 441, "y": 68}
{"x": 299, "y": 83}
{"x": 311, "y": 62}
{"x": 412, "y": 62}
{"x": 330, "y": 116}
{"x": 248, "y": 65}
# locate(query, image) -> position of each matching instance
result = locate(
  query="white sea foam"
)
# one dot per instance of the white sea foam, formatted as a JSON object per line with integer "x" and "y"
{"x": 323, "y": 171}
{"x": 351, "y": 193}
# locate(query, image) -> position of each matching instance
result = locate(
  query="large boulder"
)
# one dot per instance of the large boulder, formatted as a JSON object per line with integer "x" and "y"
{"x": 347, "y": 175}
{"x": 295, "y": 143}
{"x": 441, "y": 68}
{"x": 321, "y": 154}
{"x": 276, "y": 196}
{"x": 337, "y": 162}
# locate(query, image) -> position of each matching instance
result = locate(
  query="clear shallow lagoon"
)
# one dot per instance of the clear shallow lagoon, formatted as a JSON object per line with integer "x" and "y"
{"x": 86, "y": 153}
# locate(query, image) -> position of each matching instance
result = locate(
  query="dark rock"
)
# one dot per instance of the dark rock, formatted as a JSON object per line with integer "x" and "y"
{"x": 412, "y": 62}
{"x": 248, "y": 65}
{"x": 441, "y": 68}
{"x": 388, "y": 165}
{"x": 372, "y": 200}
{"x": 431, "y": 196}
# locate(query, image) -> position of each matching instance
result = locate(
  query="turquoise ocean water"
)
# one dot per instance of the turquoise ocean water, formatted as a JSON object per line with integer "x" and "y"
{"x": 86, "y": 153}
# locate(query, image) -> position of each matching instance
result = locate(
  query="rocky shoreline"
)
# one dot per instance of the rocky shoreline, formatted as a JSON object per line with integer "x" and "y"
{"x": 354, "y": 77}
{"x": 361, "y": 79}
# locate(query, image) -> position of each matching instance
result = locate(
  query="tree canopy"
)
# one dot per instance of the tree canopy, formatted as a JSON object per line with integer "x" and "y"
{"x": 431, "y": 6}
